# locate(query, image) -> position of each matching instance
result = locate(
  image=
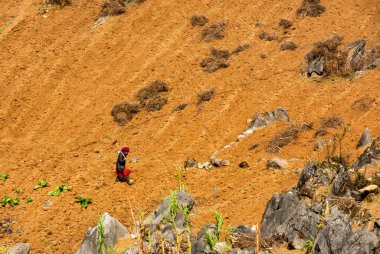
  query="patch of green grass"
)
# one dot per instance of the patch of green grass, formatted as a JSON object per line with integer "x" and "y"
{"x": 11, "y": 201}
{"x": 4, "y": 177}
{"x": 83, "y": 201}
{"x": 59, "y": 190}
{"x": 41, "y": 184}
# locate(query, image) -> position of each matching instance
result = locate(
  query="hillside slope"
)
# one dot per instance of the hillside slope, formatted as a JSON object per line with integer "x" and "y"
{"x": 61, "y": 76}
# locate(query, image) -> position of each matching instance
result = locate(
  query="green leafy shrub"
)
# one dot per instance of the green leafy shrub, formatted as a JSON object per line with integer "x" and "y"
{"x": 41, "y": 184}
{"x": 4, "y": 177}
{"x": 11, "y": 201}
{"x": 28, "y": 200}
{"x": 83, "y": 201}
{"x": 59, "y": 190}
{"x": 212, "y": 239}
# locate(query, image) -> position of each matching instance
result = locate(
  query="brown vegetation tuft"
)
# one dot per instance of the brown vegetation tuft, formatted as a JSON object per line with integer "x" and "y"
{"x": 155, "y": 103}
{"x": 284, "y": 23}
{"x": 217, "y": 59}
{"x": 334, "y": 60}
{"x": 214, "y": 31}
{"x": 331, "y": 122}
{"x": 286, "y": 136}
{"x": 363, "y": 104}
{"x": 240, "y": 48}
{"x": 198, "y": 20}
{"x": 111, "y": 8}
{"x": 124, "y": 112}
{"x": 288, "y": 46}
{"x": 58, "y": 2}
{"x": 145, "y": 95}
{"x": 265, "y": 36}
{"x": 311, "y": 8}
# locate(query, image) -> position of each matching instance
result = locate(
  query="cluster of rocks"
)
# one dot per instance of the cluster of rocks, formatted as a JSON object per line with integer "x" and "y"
{"x": 306, "y": 214}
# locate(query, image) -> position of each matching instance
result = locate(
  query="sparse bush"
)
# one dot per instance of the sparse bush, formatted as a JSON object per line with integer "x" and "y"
{"x": 216, "y": 60}
{"x": 123, "y": 113}
{"x": 198, "y": 20}
{"x": 311, "y": 8}
{"x": 59, "y": 190}
{"x": 285, "y": 137}
{"x": 83, "y": 201}
{"x": 214, "y": 31}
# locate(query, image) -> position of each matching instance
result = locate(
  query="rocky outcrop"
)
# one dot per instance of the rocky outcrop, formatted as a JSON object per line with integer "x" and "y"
{"x": 370, "y": 156}
{"x": 113, "y": 230}
{"x": 365, "y": 138}
{"x": 288, "y": 218}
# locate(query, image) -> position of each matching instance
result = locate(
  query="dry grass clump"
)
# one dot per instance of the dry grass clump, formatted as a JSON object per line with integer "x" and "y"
{"x": 288, "y": 46}
{"x": 216, "y": 60}
{"x": 206, "y": 96}
{"x": 214, "y": 31}
{"x": 198, "y": 20}
{"x": 265, "y": 36}
{"x": 181, "y": 107}
{"x": 332, "y": 122}
{"x": 124, "y": 112}
{"x": 286, "y": 136}
{"x": 111, "y": 8}
{"x": 367, "y": 59}
{"x": 147, "y": 93}
{"x": 363, "y": 104}
{"x": 61, "y": 3}
{"x": 284, "y": 23}
{"x": 240, "y": 48}
{"x": 334, "y": 60}
{"x": 310, "y": 8}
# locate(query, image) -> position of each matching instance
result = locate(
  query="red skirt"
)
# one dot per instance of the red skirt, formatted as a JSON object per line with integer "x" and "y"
{"x": 125, "y": 173}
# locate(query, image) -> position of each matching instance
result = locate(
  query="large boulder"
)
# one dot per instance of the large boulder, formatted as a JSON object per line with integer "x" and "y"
{"x": 365, "y": 138}
{"x": 341, "y": 183}
{"x": 370, "y": 156}
{"x": 331, "y": 238}
{"x": 113, "y": 230}
{"x": 288, "y": 218}
{"x": 20, "y": 248}
{"x": 201, "y": 246}
{"x": 162, "y": 211}
{"x": 361, "y": 242}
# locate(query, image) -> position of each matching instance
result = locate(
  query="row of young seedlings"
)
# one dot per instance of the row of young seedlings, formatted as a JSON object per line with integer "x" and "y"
{"x": 84, "y": 202}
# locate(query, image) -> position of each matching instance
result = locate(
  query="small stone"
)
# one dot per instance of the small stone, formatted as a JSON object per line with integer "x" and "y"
{"x": 365, "y": 139}
{"x": 243, "y": 164}
{"x": 134, "y": 159}
{"x": 277, "y": 163}
{"x": 47, "y": 204}
{"x": 369, "y": 189}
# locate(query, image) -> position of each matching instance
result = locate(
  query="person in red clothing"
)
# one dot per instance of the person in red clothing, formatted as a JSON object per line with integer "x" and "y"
{"x": 122, "y": 173}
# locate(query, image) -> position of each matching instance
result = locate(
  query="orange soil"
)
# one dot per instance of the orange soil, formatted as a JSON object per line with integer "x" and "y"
{"x": 61, "y": 76}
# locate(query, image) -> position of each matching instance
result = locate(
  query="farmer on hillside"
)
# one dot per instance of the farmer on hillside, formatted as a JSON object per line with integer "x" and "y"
{"x": 122, "y": 173}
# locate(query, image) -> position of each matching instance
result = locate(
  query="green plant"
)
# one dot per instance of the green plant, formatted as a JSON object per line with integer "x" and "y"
{"x": 41, "y": 184}
{"x": 219, "y": 222}
{"x": 211, "y": 238}
{"x": 11, "y": 201}
{"x": 18, "y": 191}
{"x": 101, "y": 244}
{"x": 3, "y": 249}
{"x": 4, "y": 177}
{"x": 174, "y": 205}
{"x": 179, "y": 178}
{"x": 28, "y": 200}
{"x": 83, "y": 201}
{"x": 59, "y": 189}
{"x": 309, "y": 247}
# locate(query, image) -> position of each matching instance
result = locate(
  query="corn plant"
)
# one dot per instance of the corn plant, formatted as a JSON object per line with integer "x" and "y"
{"x": 41, "y": 184}
{"x": 83, "y": 201}
{"x": 219, "y": 222}
{"x": 101, "y": 243}
{"x": 11, "y": 201}
{"x": 28, "y": 200}
{"x": 59, "y": 190}
{"x": 211, "y": 238}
